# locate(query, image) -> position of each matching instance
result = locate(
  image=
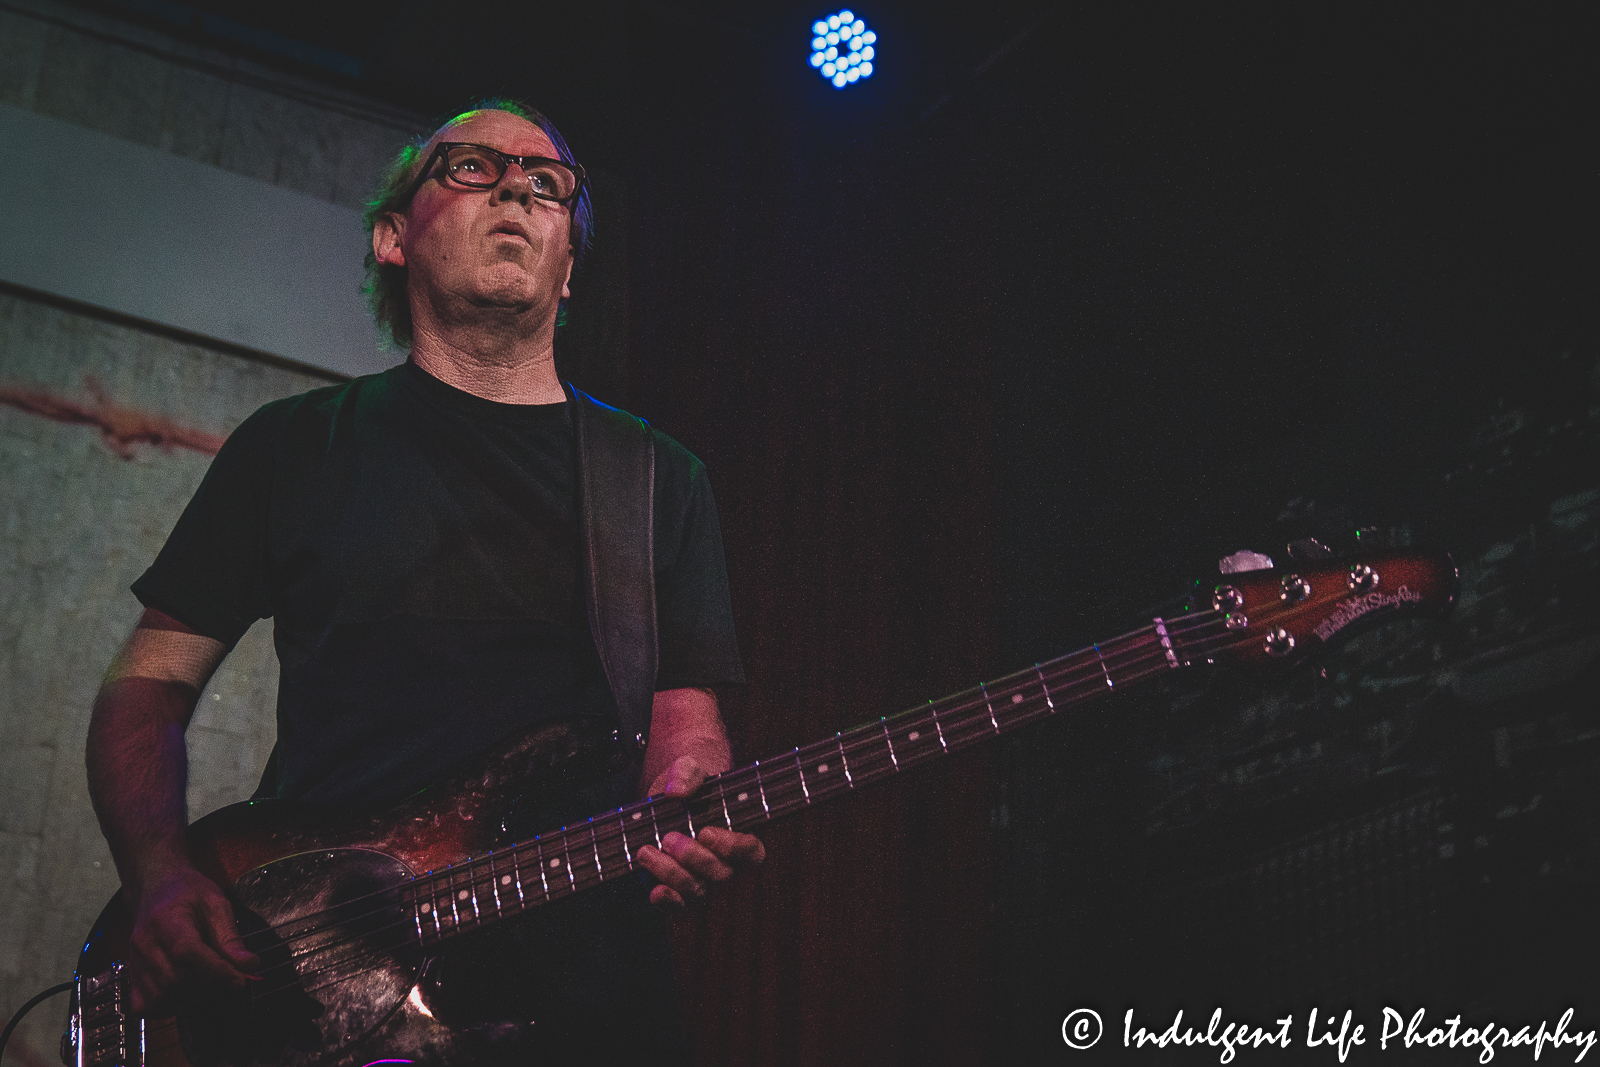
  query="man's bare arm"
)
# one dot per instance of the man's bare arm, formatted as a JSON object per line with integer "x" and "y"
{"x": 138, "y": 773}
{"x": 687, "y": 743}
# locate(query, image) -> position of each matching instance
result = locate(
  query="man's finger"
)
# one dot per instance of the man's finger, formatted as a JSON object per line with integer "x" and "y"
{"x": 700, "y": 860}
{"x": 666, "y": 896}
{"x": 670, "y": 873}
{"x": 198, "y": 959}
{"x": 733, "y": 847}
{"x": 681, "y": 779}
{"x": 153, "y": 975}
{"x": 146, "y": 993}
{"x": 220, "y": 931}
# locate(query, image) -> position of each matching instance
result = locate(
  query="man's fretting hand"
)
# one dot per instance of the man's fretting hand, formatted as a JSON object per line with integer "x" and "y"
{"x": 686, "y": 866}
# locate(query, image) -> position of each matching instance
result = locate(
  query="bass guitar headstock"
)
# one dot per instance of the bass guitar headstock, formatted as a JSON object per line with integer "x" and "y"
{"x": 1282, "y": 616}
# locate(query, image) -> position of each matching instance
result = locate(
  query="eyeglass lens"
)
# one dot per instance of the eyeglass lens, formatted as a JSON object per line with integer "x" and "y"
{"x": 471, "y": 165}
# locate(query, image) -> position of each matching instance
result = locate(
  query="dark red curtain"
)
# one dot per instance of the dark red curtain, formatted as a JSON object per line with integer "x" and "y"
{"x": 819, "y": 339}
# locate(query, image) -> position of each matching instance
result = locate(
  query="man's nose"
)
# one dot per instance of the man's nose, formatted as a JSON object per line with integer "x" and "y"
{"x": 514, "y": 185}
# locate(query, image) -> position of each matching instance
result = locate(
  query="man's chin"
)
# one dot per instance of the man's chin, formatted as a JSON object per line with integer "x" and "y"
{"x": 511, "y": 297}
{"x": 506, "y": 303}
{"x": 509, "y": 286}
{"x": 496, "y": 298}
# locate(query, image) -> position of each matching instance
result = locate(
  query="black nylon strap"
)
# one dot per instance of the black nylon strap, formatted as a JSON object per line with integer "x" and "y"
{"x": 616, "y": 504}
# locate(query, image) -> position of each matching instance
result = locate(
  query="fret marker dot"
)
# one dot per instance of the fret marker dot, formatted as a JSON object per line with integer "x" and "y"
{"x": 638, "y": 815}
{"x": 555, "y": 863}
{"x": 505, "y": 879}
{"x": 822, "y": 768}
{"x": 1016, "y": 698}
{"x": 914, "y": 735}
{"x": 743, "y": 797}
{"x": 462, "y": 895}
{"x": 426, "y": 908}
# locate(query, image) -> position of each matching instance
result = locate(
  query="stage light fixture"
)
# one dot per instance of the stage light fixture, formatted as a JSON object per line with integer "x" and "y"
{"x": 842, "y": 48}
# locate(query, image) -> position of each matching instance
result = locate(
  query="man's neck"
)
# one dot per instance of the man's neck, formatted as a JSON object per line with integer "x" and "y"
{"x": 522, "y": 372}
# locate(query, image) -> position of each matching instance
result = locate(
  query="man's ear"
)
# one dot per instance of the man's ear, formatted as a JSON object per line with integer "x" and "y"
{"x": 566, "y": 287}
{"x": 387, "y": 232}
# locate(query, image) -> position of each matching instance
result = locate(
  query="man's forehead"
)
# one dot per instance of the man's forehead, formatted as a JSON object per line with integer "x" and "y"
{"x": 509, "y": 133}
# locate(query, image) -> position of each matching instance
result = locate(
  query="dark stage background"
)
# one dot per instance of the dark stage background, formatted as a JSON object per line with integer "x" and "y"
{"x": 991, "y": 356}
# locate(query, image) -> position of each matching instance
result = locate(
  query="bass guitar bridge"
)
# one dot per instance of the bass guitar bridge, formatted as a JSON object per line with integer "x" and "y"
{"x": 100, "y": 1032}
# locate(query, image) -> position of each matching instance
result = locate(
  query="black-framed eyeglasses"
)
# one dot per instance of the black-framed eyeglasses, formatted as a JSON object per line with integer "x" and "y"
{"x": 476, "y": 166}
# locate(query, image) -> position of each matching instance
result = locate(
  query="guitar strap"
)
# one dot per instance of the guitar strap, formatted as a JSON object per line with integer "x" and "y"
{"x": 616, "y": 552}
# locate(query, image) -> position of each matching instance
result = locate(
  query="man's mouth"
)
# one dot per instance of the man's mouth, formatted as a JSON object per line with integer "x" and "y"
{"x": 511, "y": 230}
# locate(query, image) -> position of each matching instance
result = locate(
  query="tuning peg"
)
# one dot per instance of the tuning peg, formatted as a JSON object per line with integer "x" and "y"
{"x": 1307, "y": 549}
{"x": 1244, "y": 560}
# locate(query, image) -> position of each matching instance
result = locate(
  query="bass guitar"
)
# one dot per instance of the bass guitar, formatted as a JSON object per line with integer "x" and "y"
{"x": 347, "y": 911}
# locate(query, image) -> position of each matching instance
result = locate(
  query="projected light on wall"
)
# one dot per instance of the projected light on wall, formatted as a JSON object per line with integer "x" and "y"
{"x": 842, "y": 48}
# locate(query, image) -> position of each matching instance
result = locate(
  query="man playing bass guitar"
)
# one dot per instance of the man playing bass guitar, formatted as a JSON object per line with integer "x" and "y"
{"x": 430, "y": 544}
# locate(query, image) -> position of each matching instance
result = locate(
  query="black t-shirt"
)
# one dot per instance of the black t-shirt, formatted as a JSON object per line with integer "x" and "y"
{"x": 417, "y": 547}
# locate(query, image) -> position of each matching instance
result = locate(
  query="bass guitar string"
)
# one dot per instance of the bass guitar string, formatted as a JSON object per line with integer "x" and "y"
{"x": 603, "y": 841}
{"x": 1218, "y": 641}
{"x": 473, "y": 883}
{"x": 609, "y": 838}
{"x": 379, "y": 955}
{"x": 264, "y": 937}
{"x": 1064, "y": 684}
{"x": 590, "y": 879}
{"x": 605, "y": 844}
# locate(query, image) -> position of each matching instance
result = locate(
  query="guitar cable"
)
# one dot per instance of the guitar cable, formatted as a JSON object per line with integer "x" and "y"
{"x": 26, "y": 1008}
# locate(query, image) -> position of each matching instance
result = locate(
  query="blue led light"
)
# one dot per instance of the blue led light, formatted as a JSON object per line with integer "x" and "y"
{"x": 841, "y": 48}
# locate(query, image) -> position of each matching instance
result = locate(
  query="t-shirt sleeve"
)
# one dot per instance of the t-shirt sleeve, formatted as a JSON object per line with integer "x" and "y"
{"x": 212, "y": 574}
{"x": 694, "y": 614}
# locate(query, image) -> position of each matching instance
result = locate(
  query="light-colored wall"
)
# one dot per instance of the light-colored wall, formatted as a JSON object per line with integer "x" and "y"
{"x": 143, "y": 86}
{"x": 182, "y": 186}
{"x": 78, "y": 522}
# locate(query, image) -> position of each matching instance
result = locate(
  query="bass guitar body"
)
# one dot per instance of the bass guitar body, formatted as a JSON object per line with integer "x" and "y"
{"x": 324, "y": 900}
